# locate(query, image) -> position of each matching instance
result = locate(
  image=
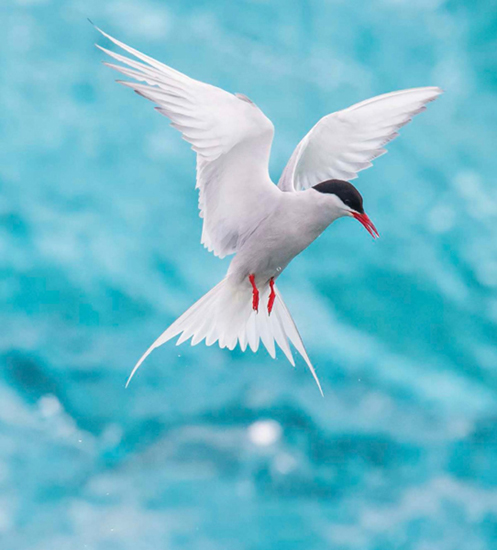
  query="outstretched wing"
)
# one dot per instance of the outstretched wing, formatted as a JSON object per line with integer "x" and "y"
{"x": 231, "y": 136}
{"x": 342, "y": 144}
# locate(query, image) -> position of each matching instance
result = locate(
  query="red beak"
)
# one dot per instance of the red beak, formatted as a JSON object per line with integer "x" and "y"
{"x": 367, "y": 223}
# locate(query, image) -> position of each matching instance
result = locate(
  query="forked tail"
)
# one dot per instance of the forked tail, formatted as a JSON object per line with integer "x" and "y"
{"x": 225, "y": 315}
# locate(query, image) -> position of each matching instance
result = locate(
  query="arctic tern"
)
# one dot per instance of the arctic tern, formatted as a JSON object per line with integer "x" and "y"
{"x": 244, "y": 212}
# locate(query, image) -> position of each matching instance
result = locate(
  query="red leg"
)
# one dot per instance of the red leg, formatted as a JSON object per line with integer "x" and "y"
{"x": 255, "y": 293}
{"x": 272, "y": 296}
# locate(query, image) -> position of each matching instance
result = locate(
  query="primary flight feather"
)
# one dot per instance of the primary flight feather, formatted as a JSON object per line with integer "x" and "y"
{"x": 244, "y": 213}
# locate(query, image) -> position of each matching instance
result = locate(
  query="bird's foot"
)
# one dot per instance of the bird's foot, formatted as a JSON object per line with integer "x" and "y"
{"x": 255, "y": 293}
{"x": 272, "y": 296}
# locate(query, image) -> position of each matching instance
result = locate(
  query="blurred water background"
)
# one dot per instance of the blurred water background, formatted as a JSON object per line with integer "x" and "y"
{"x": 99, "y": 252}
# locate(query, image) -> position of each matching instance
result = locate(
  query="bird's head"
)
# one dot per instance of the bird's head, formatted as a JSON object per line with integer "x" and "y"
{"x": 347, "y": 201}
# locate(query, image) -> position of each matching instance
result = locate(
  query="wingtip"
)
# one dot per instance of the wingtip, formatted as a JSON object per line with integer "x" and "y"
{"x": 99, "y": 29}
{"x": 95, "y": 26}
{"x": 101, "y": 32}
{"x": 126, "y": 83}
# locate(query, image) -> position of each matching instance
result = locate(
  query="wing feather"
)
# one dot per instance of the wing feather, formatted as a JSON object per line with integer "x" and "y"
{"x": 342, "y": 144}
{"x": 230, "y": 134}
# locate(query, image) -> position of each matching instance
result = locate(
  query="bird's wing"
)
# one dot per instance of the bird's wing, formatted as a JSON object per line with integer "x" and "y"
{"x": 231, "y": 136}
{"x": 342, "y": 144}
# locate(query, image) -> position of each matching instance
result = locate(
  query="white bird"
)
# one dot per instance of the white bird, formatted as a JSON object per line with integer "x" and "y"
{"x": 244, "y": 213}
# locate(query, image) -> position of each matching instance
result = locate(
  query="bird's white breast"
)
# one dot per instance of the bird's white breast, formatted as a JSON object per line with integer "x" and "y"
{"x": 296, "y": 221}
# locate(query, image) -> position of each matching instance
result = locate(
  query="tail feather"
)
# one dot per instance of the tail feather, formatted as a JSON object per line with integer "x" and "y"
{"x": 225, "y": 315}
{"x": 280, "y": 336}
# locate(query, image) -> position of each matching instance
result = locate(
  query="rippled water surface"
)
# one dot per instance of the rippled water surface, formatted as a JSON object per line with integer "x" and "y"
{"x": 99, "y": 252}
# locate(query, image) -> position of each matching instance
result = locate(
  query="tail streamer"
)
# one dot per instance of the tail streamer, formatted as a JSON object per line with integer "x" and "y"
{"x": 225, "y": 315}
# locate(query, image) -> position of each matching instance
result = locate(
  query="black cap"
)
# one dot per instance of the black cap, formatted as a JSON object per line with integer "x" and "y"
{"x": 345, "y": 191}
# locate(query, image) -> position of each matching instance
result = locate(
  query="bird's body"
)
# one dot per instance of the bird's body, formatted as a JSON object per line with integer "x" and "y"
{"x": 244, "y": 213}
{"x": 291, "y": 224}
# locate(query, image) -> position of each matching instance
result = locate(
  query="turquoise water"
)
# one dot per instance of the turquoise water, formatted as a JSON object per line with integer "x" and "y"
{"x": 99, "y": 252}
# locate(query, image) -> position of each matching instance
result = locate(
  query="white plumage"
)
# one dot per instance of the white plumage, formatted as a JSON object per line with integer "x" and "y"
{"x": 231, "y": 136}
{"x": 244, "y": 213}
{"x": 342, "y": 144}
